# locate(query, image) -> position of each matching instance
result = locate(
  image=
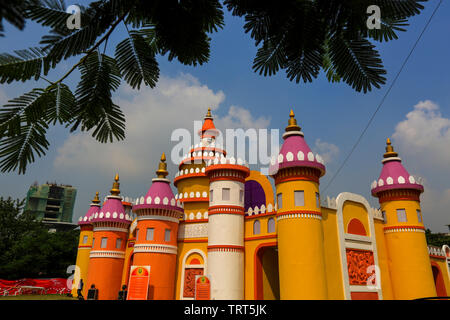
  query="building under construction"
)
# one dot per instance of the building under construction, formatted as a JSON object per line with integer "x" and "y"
{"x": 52, "y": 204}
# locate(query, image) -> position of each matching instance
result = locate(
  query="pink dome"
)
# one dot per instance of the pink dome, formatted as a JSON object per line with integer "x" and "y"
{"x": 112, "y": 211}
{"x": 94, "y": 208}
{"x": 160, "y": 195}
{"x": 295, "y": 152}
{"x": 394, "y": 175}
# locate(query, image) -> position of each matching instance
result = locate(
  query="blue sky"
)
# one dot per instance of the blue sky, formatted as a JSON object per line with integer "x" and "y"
{"x": 331, "y": 115}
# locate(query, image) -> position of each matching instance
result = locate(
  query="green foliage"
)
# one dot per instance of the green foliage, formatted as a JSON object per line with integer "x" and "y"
{"x": 28, "y": 250}
{"x": 300, "y": 37}
{"x": 437, "y": 239}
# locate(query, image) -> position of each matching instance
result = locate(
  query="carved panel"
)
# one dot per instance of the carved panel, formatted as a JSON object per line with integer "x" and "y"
{"x": 193, "y": 230}
{"x": 189, "y": 281}
{"x": 358, "y": 262}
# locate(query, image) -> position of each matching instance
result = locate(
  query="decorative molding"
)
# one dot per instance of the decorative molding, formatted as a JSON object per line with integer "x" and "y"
{"x": 157, "y": 248}
{"x": 299, "y": 214}
{"x": 193, "y": 230}
{"x": 158, "y": 217}
{"x": 355, "y": 242}
{"x": 358, "y": 261}
{"x": 107, "y": 254}
{"x": 110, "y": 229}
{"x": 225, "y": 248}
{"x": 404, "y": 229}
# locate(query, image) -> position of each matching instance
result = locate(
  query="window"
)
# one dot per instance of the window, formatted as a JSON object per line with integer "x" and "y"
{"x": 149, "y": 235}
{"x": 118, "y": 243}
{"x": 137, "y": 233}
{"x": 299, "y": 197}
{"x": 241, "y": 196}
{"x": 279, "y": 200}
{"x": 85, "y": 238}
{"x": 256, "y": 227}
{"x": 104, "y": 243}
{"x": 419, "y": 216}
{"x": 317, "y": 200}
{"x": 383, "y": 213}
{"x": 401, "y": 215}
{"x": 93, "y": 240}
{"x": 211, "y": 196}
{"x": 226, "y": 194}
{"x": 271, "y": 225}
{"x": 167, "y": 235}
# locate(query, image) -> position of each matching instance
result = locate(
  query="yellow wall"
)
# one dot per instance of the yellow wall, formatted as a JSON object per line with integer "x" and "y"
{"x": 383, "y": 260}
{"x": 353, "y": 210}
{"x": 332, "y": 256}
{"x": 409, "y": 262}
{"x": 82, "y": 261}
{"x": 300, "y": 245}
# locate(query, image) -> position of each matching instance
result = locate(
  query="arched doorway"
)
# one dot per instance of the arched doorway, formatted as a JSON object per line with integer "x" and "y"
{"x": 438, "y": 280}
{"x": 267, "y": 286}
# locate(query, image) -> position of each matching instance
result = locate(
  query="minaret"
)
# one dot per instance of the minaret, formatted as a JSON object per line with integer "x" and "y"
{"x": 110, "y": 227}
{"x": 158, "y": 215}
{"x": 296, "y": 172}
{"x": 226, "y": 228}
{"x": 399, "y": 195}
{"x": 85, "y": 246}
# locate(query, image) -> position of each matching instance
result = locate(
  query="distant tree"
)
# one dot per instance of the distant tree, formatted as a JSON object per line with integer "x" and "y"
{"x": 437, "y": 239}
{"x": 28, "y": 250}
{"x": 301, "y": 37}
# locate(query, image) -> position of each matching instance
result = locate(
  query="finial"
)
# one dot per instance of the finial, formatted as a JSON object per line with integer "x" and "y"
{"x": 162, "y": 169}
{"x": 389, "y": 150}
{"x": 96, "y": 198}
{"x": 115, "y": 191}
{"x": 208, "y": 114}
{"x": 292, "y": 123}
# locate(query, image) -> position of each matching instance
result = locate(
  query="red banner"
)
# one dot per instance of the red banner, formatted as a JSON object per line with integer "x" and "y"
{"x": 202, "y": 288}
{"x": 40, "y": 286}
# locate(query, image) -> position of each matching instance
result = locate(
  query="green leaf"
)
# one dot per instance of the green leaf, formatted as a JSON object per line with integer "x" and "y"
{"x": 62, "y": 106}
{"x": 358, "y": 63}
{"x": 27, "y": 108}
{"x": 270, "y": 57}
{"x": 19, "y": 150}
{"x": 136, "y": 60}
{"x": 100, "y": 76}
{"x": 26, "y": 64}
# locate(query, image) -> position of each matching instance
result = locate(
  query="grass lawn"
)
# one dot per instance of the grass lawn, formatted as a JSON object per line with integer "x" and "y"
{"x": 38, "y": 297}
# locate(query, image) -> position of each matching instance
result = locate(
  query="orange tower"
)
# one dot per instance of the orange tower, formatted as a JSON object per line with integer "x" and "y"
{"x": 106, "y": 259}
{"x": 158, "y": 215}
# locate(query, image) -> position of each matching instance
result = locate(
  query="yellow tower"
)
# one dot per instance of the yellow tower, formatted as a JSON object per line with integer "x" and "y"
{"x": 85, "y": 246}
{"x": 296, "y": 172}
{"x": 409, "y": 263}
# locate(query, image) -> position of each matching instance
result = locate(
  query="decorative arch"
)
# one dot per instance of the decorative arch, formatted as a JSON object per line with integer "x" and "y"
{"x": 188, "y": 272}
{"x": 438, "y": 280}
{"x": 355, "y": 226}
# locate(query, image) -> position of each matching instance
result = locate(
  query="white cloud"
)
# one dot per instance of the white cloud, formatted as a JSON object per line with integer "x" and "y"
{"x": 151, "y": 117}
{"x": 326, "y": 150}
{"x": 425, "y": 135}
{"x": 423, "y": 142}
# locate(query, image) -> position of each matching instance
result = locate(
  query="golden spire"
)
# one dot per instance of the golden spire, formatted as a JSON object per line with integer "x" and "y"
{"x": 115, "y": 191}
{"x": 96, "y": 199}
{"x": 292, "y": 123}
{"x": 208, "y": 114}
{"x": 162, "y": 169}
{"x": 389, "y": 150}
